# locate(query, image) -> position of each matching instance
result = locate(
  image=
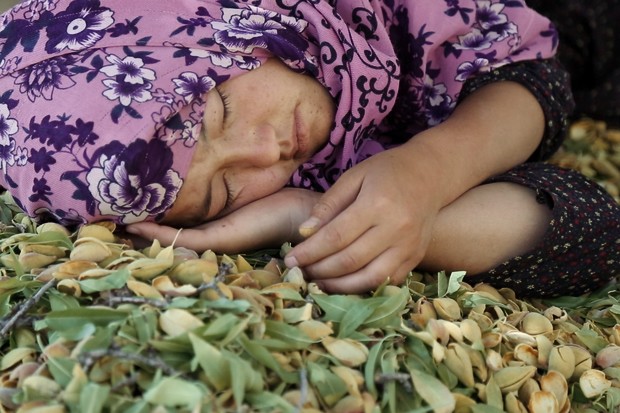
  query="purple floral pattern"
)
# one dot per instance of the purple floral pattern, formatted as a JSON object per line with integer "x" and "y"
{"x": 102, "y": 105}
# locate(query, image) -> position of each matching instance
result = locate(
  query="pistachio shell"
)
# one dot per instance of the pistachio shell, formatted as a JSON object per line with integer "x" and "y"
{"x": 41, "y": 386}
{"x": 487, "y": 290}
{"x": 544, "y": 346}
{"x": 583, "y": 361}
{"x": 315, "y": 329}
{"x": 98, "y": 231}
{"x": 24, "y": 370}
{"x": 142, "y": 289}
{"x": 512, "y": 378}
{"x": 513, "y": 405}
{"x": 535, "y": 323}
{"x": 562, "y": 360}
{"x": 94, "y": 273}
{"x": 295, "y": 276}
{"x": 352, "y": 378}
{"x": 458, "y": 362}
{"x": 70, "y": 287}
{"x": 73, "y": 269}
{"x": 147, "y": 268}
{"x": 424, "y": 311}
{"x": 609, "y": 356}
{"x": 526, "y": 354}
{"x": 176, "y": 321}
{"x": 349, "y": 404}
{"x": 32, "y": 260}
{"x": 90, "y": 249}
{"x": 220, "y": 291}
{"x": 52, "y": 227}
{"x": 471, "y": 330}
{"x": 530, "y": 387}
{"x": 194, "y": 272}
{"x": 15, "y": 356}
{"x": 494, "y": 360}
{"x": 593, "y": 383}
{"x": 305, "y": 401}
{"x": 349, "y": 352}
{"x": 447, "y": 308}
{"x": 491, "y": 339}
{"x": 555, "y": 383}
{"x": 517, "y": 337}
{"x": 45, "y": 249}
{"x": 164, "y": 285}
{"x": 463, "y": 403}
{"x": 543, "y": 401}
{"x": 265, "y": 278}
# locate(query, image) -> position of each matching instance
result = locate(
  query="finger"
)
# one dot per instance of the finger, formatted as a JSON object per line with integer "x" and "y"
{"x": 353, "y": 257}
{"x": 388, "y": 265}
{"x": 329, "y": 205}
{"x": 338, "y": 234}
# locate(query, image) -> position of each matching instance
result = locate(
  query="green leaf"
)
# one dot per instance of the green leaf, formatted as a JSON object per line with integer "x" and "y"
{"x": 60, "y": 301}
{"x": 73, "y": 318}
{"x": 174, "y": 392}
{"x": 357, "y": 315}
{"x": 243, "y": 377}
{"x": 270, "y": 402}
{"x": 52, "y": 237}
{"x": 216, "y": 368}
{"x": 61, "y": 368}
{"x": 264, "y": 357}
{"x": 482, "y": 408}
{"x": 335, "y": 306}
{"x": 592, "y": 340}
{"x": 93, "y": 398}
{"x": 388, "y": 313}
{"x": 112, "y": 281}
{"x": 434, "y": 392}
{"x": 442, "y": 284}
{"x": 454, "y": 284}
{"x": 292, "y": 336}
{"x": 329, "y": 386}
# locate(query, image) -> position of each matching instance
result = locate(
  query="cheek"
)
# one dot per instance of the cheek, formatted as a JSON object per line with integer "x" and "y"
{"x": 255, "y": 184}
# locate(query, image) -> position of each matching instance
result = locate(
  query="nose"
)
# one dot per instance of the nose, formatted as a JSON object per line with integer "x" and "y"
{"x": 261, "y": 147}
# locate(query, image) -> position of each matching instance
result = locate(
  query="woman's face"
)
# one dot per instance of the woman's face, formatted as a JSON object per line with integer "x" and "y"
{"x": 258, "y": 128}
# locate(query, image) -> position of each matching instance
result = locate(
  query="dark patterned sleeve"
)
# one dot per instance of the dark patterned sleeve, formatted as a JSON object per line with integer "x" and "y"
{"x": 549, "y": 83}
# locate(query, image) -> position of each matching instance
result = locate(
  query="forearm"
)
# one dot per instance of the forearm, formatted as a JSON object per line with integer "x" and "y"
{"x": 494, "y": 129}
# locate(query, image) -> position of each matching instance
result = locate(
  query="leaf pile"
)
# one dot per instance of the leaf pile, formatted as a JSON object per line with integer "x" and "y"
{"x": 91, "y": 324}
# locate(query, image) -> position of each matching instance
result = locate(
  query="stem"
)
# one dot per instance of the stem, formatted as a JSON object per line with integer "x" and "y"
{"x": 10, "y": 320}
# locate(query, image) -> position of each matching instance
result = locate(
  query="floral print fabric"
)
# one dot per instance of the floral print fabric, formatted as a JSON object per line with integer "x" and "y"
{"x": 101, "y": 100}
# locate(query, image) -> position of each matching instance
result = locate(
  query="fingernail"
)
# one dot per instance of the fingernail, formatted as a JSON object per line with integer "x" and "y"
{"x": 132, "y": 230}
{"x": 290, "y": 261}
{"x": 309, "y": 227}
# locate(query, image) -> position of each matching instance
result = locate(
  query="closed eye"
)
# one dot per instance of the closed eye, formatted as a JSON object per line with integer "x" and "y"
{"x": 225, "y": 102}
{"x": 230, "y": 194}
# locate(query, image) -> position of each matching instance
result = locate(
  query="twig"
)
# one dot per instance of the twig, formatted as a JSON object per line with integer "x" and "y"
{"x": 129, "y": 381}
{"x": 89, "y": 358}
{"x": 303, "y": 390}
{"x": 155, "y": 302}
{"x": 403, "y": 378}
{"x": 9, "y": 321}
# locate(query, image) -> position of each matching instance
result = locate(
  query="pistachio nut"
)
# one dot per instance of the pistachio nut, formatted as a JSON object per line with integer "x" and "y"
{"x": 101, "y": 232}
{"x": 447, "y": 308}
{"x": 349, "y": 352}
{"x": 32, "y": 260}
{"x": 142, "y": 289}
{"x": 471, "y": 331}
{"x": 609, "y": 356}
{"x": 69, "y": 286}
{"x": 583, "y": 361}
{"x": 562, "y": 360}
{"x": 176, "y": 321}
{"x": 16, "y": 356}
{"x": 544, "y": 346}
{"x": 37, "y": 386}
{"x": 463, "y": 403}
{"x": 494, "y": 360}
{"x": 512, "y": 404}
{"x": 530, "y": 387}
{"x": 147, "y": 268}
{"x": 535, "y": 323}
{"x": 511, "y": 378}
{"x": 349, "y": 404}
{"x": 315, "y": 329}
{"x": 52, "y": 227}
{"x": 90, "y": 249}
{"x": 352, "y": 378}
{"x": 194, "y": 272}
{"x": 265, "y": 278}
{"x": 458, "y": 362}
{"x": 72, "y": 269}
{"x": 164, "y": 285}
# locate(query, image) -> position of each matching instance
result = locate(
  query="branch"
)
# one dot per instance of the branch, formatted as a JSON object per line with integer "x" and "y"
{"x": 9, "y": 321}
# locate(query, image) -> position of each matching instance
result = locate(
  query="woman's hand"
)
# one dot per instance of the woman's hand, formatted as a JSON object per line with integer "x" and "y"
{"x": 374, "y": 223}
{"x": 267, "y": 222}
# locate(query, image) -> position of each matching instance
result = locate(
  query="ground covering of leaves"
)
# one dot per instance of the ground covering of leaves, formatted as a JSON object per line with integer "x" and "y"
{"x": 89, "y": 324}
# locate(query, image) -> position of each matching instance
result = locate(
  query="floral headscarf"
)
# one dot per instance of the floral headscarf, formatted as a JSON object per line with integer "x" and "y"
{"x": 101, "y": 101}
